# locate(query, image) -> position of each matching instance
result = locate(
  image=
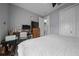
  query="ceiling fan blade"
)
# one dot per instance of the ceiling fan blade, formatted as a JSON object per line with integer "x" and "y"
{"x": 53, "y": 4}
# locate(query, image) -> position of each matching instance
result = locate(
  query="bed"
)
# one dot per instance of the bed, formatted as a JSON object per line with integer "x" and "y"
{"x": 50, "y": 45}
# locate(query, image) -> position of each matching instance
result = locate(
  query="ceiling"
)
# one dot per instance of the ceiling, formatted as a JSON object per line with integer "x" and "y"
{"x": 41, "y": 9}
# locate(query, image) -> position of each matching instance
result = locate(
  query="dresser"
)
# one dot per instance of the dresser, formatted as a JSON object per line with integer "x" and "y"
{"x": 36, "y": 32}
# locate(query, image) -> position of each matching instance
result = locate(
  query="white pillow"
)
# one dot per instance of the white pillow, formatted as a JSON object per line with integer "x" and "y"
{"x": 10, "y": 37}
{"x": 23, "y": 35}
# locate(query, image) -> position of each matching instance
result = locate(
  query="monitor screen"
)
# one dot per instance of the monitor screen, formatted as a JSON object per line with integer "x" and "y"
{"x": 25, "y": 26}
{"x": 34, "y": 24}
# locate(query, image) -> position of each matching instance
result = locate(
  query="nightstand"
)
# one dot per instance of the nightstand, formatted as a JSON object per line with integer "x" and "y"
{"x": 2, "y": 50}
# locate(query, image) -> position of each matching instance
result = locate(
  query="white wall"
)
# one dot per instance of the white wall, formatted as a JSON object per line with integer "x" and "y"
{"x": 54, "y": 22}
{"x": 77, "y": 20}
{"x": 3, "y": 18}
{"x": 67, "y": 21}
{"x": 54, "y": 19}
{"x": 20, "y": 16}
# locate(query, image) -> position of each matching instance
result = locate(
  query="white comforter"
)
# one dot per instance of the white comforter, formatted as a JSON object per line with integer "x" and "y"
{"x": 51, "y": 45}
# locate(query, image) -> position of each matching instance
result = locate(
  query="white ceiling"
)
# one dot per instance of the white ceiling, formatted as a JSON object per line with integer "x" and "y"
{"x": 41, "y": 9}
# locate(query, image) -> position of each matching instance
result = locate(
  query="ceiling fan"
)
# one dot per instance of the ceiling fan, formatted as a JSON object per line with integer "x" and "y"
{"x": 54, "y": 4}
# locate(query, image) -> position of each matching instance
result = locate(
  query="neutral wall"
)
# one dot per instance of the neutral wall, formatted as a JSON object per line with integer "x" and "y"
{"x": 20, "y": 16}
{"x": 54, "y": 22}
{"x": 77, "y": 20}
{"x": 3, "y": 18}
{"x": 54, "y": 19}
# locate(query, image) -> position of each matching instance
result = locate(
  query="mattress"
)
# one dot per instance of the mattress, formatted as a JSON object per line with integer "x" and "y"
{"x": 50, "y": 45}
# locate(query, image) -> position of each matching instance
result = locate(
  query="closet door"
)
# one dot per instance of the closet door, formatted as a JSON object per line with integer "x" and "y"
{"x": 41, "y": 26}
{"x": 77, "y": 20}
{"x": 67, "y": 22}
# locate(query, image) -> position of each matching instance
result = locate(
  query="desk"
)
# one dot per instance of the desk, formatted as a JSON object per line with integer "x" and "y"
{"x": 13, "y": 42}
{"x": 2, "y": 51}
{"x": 10, "y": 46}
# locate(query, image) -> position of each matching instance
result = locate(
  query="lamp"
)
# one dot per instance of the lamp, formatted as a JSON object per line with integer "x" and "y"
{"x": 45, "y": 21}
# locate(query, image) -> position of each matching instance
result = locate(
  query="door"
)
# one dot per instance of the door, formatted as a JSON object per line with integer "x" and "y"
{"x": 67, "y": 22}
{"x": 41, "y": 26}
{"x": 47, "y": 25}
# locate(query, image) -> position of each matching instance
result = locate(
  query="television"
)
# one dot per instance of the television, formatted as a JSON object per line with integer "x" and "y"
{"x": 25, "y": 27}
{"x": 34, "y": 24}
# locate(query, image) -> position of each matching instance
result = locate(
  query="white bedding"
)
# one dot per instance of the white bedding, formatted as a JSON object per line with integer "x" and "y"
{"x": 51, "y": 45}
